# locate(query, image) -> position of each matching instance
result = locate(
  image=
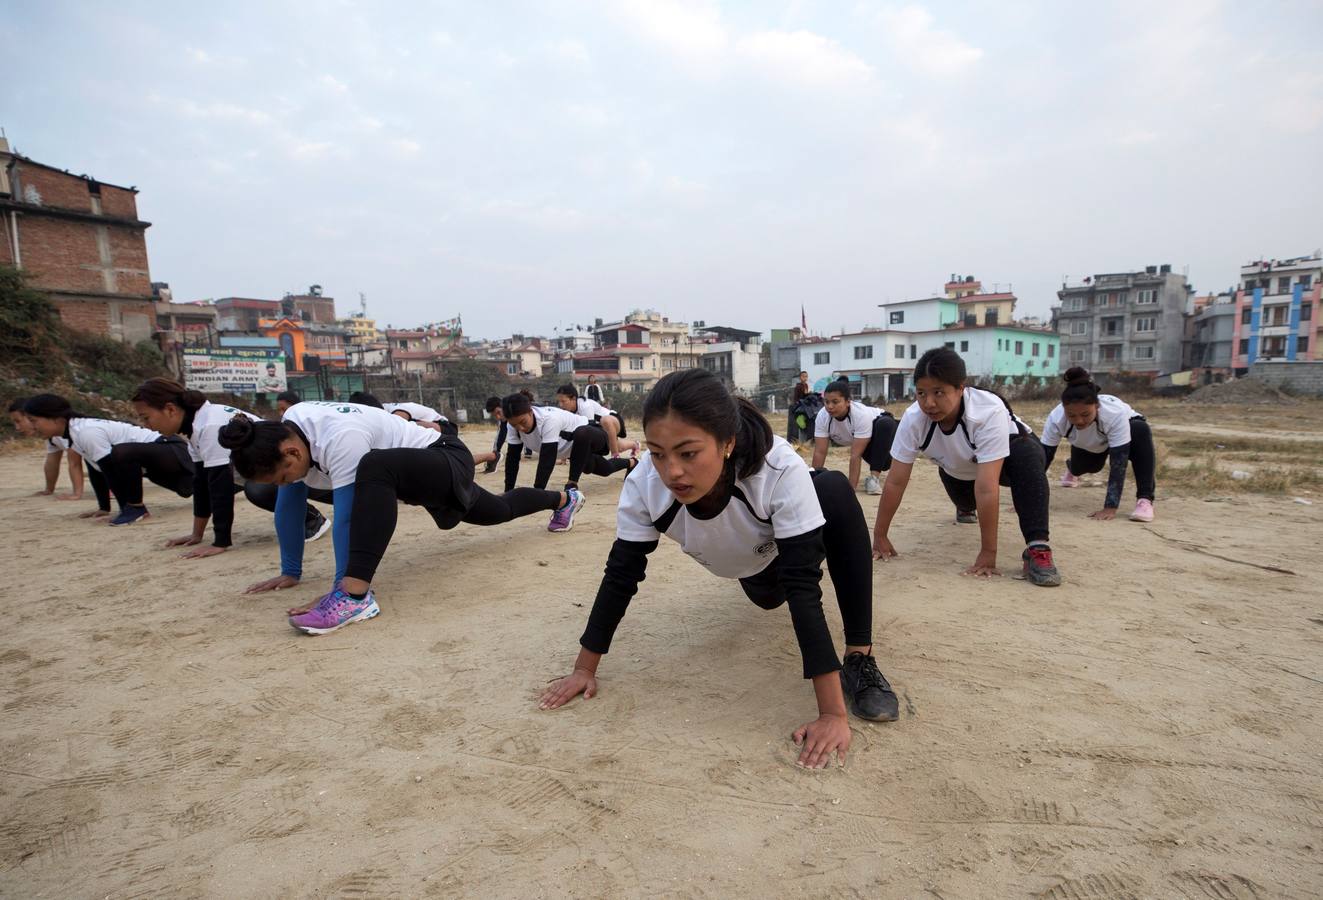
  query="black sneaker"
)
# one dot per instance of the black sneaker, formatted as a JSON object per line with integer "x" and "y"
{"x": 1038, "y": 566}
{"x": 489, "y": 467}
{"x": 867, "y": 690}
{"x": 966, "y": 516}
{"x": 314, "y": 526}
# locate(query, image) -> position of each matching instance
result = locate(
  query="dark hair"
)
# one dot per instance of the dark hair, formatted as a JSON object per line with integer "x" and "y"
{"x": 529, "y": 394}
{"x": 49, "y": 406}
{"x": 17, "y": 405}
{"x": 568, "y": 390}
{"x": 157, "y": 392}
{"x": 839, "y": 386}
{"x": 492, "y": 404}
{"x": 699, "y": 397}
{"x": 290, "y": 397}
{"x": 254, "y": 446}
{"x": 943, "y": 364}
{"x": 1079, "y": 387}
{"x": 516, "y": 405}
{"x": 363, "y": 398}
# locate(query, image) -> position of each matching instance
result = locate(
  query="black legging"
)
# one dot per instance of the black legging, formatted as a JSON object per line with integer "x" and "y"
{"x": 427, "y": 478}
{"x": 588, "y": 447}
{"x": 100, "y": 487}
{"x": 878, "y": 452}
{"x": 165, "y": 462}
{"x": 849, "y": 560}
{"x": 1143, "y": 460}
{"x": 1023, "y": 471}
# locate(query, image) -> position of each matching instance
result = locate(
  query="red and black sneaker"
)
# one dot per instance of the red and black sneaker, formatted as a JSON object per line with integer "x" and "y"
{"x": 1038, "y": 566}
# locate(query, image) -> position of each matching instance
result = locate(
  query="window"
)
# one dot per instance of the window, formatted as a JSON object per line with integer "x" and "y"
{"x": 1077, "y": 356}
{"x": 1146, "y": 297}
{"x": 1142, "y": 351}
{"x": 1244, "y": 346}
{"x": 1019, "y": 348}
{"x": 636, "y": 363}
{"x": 898, "y": 318}
{"x": 822, "y": 359}
{"x": 668, "y": 363}
{"x": 1118, "y": 299}
{"x": 1306, "y": 312}
{"x": 1034, "y": 349}
{"x": 990, "y": 317}
{"x": 950, "y": 345}
{"x": 863, "y": 352}
{"x": 512, "y": 368}
{"x": 1109, "y": 353}
{"x": 1284, "y": 284}
{"x": 914, "y": 351}
{"x": 638, "y": 387}
{"x": 1146, "y": 323}
{"x": 1302, "y": 344}
{"x": 1112, "y": 326}
{"x": 900, "y": 351}
{"x": 1305, "y": 281}
{"x": 1051, "y": 350}
{"x": 1103, "y": 298}
{"x": 1079, "y": 326}
{"x": 1245, "y": 315}
{"x": 1074, "y": 304}
{"x": 964, "y": 346}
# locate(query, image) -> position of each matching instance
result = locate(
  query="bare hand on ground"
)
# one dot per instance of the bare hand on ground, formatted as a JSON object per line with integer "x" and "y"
{"x": 819, "y": 738}
{"x": 187, "y": 540}
{"x": 1105, "y": 515}
{"x": 563, "y": 690}
{"x": 203, "y": 552}
{"x": 985, "y": 566}
{"x": 279, "y": 583}
{"x": 883, "y": 549}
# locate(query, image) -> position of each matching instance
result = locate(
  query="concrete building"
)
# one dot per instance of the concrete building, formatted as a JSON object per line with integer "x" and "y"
{"x": 880, "y": 361}
{"x": 567, "y": 344}
{"x": 1277, "y": 305}
{"x": 80, "y": 240}
{"x": 782, "y": 353}
{"x": 308, "y": 346}
{"x": 1210, "y": 337}
{"x": 633, "y": 353}
{"x": 1125, "y": 322}
{"x": 310, "y": 307}
{"x": 359, "y": 329}
{"x": 734, "y": 354}
{"x": 974, "y": 307}
{"x": 244, "y": 315}
{"x": 426, "y": 351}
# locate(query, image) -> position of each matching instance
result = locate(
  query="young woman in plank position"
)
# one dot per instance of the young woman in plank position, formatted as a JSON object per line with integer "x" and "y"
{"x": 121, "y": 452}
{"x": 167, "y": 407}
{"x": 610, "y": 421}
{"x": 369, "y": 460}
{"x": 866, "y": 430}
{"x": 1102, "y": 430}
{"x": 745, "y": 506}
{"x": 979, "y": 445}
{"x": 55, "y": 450}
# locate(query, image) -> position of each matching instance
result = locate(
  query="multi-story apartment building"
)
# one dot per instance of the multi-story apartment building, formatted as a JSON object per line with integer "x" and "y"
{"x": 1277, "y": 306}
{"x": 1210, "y": 333}
{"x": 734, "y": 354}
{"x": 633, "y": 353}
{"x": 880, "y": 361}
{"x": 1125, "y": 322}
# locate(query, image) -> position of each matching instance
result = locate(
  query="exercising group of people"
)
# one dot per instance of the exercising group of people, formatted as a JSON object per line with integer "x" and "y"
{"x": 738, "y": 500}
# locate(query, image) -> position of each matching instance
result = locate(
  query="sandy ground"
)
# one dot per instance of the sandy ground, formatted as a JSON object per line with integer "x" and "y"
{"x": 1151, "y": 729}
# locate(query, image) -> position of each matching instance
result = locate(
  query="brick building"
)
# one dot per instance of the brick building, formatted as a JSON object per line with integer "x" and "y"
{"x": 81, "y": 241}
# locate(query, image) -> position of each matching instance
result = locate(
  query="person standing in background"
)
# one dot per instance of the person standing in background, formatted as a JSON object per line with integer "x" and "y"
{"x": 594, "y": 391}
{"x": 795, "y": 434}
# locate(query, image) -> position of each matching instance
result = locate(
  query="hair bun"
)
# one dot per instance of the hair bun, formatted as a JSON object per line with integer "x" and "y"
{"x": 1078, "y": 375}
{"x": 236, "y": 433}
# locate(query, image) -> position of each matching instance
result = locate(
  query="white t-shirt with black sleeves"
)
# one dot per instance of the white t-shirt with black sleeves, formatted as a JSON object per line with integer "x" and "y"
{"x": 204, "y": 443}
{"x": 1111, "y": 427}
{"x": 858, "y": 423}
{"x": 416, "y": 411}
{"x": 777, "y": 501}
{"x": 340, "y": 435}
{"x": 981, "y": 435}
{"x": 57, "y": 444}
{"x": 95, "y": 438}
{"x": 549, "y": 423}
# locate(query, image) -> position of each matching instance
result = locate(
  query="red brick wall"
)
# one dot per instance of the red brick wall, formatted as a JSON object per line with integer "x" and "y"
{"x": 55, "y": 253}
{"x": 118, "y": 202}
{"x": 6, "y": 240}
{"x": 128, "y": 250}
{"x": 85, "y": 315}
{"x": 56, "y": 188}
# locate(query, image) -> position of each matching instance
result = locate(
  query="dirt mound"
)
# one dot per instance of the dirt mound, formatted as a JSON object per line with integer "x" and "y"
{"x": 1242, "y": 390}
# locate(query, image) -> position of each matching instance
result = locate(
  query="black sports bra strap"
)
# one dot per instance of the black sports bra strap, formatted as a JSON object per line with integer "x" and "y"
{"x": 928, "y": 438}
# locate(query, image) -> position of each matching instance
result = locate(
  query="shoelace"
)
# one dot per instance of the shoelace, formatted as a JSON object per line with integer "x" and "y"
{"x": 871, "y": 676}
{"x": 1041, "y": 556}
{"x": 332, "y": 601}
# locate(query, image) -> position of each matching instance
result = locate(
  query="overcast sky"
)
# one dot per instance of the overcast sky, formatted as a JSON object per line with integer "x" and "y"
{"x": 531, "y": 165}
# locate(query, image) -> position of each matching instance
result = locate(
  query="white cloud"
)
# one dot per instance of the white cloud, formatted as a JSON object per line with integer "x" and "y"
{"x": 691, "y": 29}
{"x": 404, "y": 147}
{"x": 308, "y": 150}
{"x": 571, "y": 52}
{"x": 544, "y": 217}
{"x": 333, "y": 83}
{"x": 220, "y": 111}
{"x": 922, "y": 47}
{"x": 804, "y": 58}
{"x": 441, "y": 39}
{"x": 588, "y": 116}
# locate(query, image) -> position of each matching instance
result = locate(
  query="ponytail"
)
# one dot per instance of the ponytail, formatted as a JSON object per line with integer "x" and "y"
{"x": 699, "y": 397}
{"x": 1079, "y": 387}
{"x": 515, "y": 405}
{"x": 254, "y": 446}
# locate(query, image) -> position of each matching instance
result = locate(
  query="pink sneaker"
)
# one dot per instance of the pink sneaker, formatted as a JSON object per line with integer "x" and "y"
{"x": 1143, "y": 511}
{"x": 1069, "y": 480}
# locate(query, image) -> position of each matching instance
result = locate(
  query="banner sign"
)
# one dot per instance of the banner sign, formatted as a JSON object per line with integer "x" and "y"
{"x": 235, "y": 371}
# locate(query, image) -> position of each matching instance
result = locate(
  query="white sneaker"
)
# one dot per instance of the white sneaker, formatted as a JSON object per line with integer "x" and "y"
{"x": 872, "y": 485}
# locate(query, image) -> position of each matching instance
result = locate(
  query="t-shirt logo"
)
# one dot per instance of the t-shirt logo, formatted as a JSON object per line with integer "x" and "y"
{"x": 765, "y": 548}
